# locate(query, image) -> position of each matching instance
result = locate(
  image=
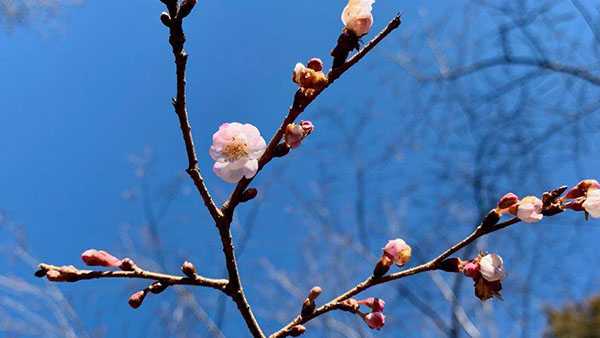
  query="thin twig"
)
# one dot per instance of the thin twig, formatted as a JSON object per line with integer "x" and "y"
{"x": 75, "y": 275}
{"x": 177, "y": 41}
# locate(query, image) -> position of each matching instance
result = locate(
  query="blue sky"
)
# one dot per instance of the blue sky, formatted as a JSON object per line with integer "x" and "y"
{"x": 78, "y": 99}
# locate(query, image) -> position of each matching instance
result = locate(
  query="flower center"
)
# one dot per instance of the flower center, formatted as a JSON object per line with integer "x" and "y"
{"x": 235, "y": 150}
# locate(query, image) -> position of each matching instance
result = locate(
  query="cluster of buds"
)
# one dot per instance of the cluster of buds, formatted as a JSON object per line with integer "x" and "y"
{"x": 295, "y": 133}
{"x": 374, "y": 319}
{"x": 585, "y": 196}
{"x": 528, "y": 209}
{"x": 395, "y": 252}
{"x": 487, "y": 271}
{"x": 310, "y": 78}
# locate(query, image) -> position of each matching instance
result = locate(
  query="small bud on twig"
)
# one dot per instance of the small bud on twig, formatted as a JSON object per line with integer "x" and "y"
{"x": 127, "y": 264}
{"x": 308, "y": 306}
{"x": 297, "y": 330}
{"x": 165, "y": 18}
{"x": 188, "y": 269}
{"x": 248, "y": 194}
{"x": 157, "y": 287}
{"x": 93, "y": 257}
{"x": 186, "y": 8}
{"x": 136, "y": 299}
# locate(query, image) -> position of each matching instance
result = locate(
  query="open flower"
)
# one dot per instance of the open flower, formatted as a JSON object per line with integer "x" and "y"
{"x": 491, "y": 268}
{"x": 397, "y": 251}
{"x": 236, "y": 149}
{"x": 529, "y": 209}
{"x": 357, "y": 16}
{"x": 592, "y": 203}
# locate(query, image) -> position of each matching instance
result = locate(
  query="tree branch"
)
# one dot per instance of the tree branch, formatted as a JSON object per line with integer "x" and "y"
{"x": 544, "y": 64}
{"x": 300, "y": 103}
{"x": 72, "y": 274}
{"x": 177, "y": 41}
{"x": 482, "y": 229}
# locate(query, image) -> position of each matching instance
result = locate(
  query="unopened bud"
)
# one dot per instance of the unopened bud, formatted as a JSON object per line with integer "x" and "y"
{"x": 297, "y": 330}
{"x": 508, "y": 200}
{"x": 136, "y": 299}
{"x": 248, "y": 194}
{"x": 315, "y": 64}
{"x": 127, "y": 264}
{"x": 157, "y": 287}
{"x": 186, "y": 8}
{"x": 40, "y": 272}
{"x": 165, "y": 18}
{"x": 188, "y": 269}
{"x": 314, "y": 293}
{"x": 93, "y": 257}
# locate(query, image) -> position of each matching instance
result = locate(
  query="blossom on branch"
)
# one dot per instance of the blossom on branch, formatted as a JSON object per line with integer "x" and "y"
{"x": 491, "y": 267}
{"x": 236, "y": 149}
{"x": 529, "y": 209}
{"x": 397, "y": 251}
{"x": 310, "y": 77}
{"x": 487, "y": 272}
{"x": 357, "y": 16}
{"x": 295, "y": 133}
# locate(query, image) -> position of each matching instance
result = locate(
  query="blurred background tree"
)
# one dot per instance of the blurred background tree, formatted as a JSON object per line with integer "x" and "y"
{"x": 575, "y": 320}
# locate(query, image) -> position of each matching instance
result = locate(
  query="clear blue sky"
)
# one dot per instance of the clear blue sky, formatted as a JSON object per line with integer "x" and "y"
{"x": 77, "y": 101}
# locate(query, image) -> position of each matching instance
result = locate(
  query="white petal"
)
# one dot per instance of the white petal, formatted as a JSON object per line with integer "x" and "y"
{"x": 250, "y": 168}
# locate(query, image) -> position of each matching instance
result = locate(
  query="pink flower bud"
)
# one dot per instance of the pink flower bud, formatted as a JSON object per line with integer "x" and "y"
{"x": 93, "y": 257}
{"x": 307, "y": 126}
{"x": 376, "y": 304}
{"x": 398, "y": 251}
{"x": 529, "y": 209}
{"x": 471, "y": 269}
{"x": 508, "y": 200}
{"x": 293, "y": 135}
{"x": 136, "y": 299}
{"x": 315, "y": 64}
{"x": 375, "y": 320}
